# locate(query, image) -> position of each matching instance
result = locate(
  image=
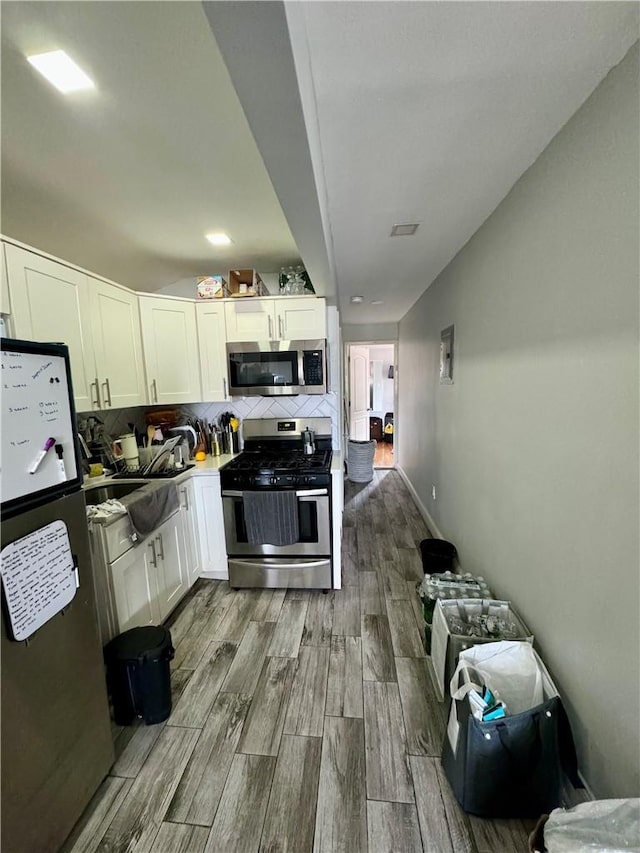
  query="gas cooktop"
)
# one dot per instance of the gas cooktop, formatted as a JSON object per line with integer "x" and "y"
{"x": 278, "y": 468}
{"x": 278, "y": 460}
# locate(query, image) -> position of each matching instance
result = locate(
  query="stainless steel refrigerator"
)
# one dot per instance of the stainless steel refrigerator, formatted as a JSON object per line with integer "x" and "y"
{"x": 56, "y": 735}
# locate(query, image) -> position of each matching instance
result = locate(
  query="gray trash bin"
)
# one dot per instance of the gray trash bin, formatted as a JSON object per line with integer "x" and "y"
{"x": 360, "y": 461}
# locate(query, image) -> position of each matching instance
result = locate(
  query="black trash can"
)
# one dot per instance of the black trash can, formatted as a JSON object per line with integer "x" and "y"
{"x": 139, "y": 676}
{"x": 437, "y": 555}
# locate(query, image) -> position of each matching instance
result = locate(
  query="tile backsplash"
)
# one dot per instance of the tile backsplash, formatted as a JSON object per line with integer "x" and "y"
{"x": 116, "y": 421}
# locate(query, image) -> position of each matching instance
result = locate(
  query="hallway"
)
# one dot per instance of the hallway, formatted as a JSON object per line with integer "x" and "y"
{"x": 301, "y": 721}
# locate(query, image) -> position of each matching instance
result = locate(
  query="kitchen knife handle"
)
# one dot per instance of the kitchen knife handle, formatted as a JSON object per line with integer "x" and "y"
{"x": 161, "y": 546}
{"x": 186, "y": 499}
{"x": 154, "y": 388}
{"x": 270, "y": 327}
{"x": 105, "y": 385}
{"x": 96, "y": 402}
{"x": 154, "y": 558}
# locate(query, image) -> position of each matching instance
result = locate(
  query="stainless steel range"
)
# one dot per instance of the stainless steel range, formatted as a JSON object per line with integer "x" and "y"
{"x": 277, "y": 505}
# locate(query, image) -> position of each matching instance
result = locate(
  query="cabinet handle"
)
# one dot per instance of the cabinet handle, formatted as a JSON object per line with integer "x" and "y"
{"x": 224, "y": 388}
{"x": 186, "y": 499}
{"x": 281, "y": 326}
{"x": 96, "y": 402}
{"x": 154, "y": 389}
{"x": 161, "y": 546}
{"x": 154, "y": 558}
{"x": 105, "y": 385}
{"x": 270, "y": 327}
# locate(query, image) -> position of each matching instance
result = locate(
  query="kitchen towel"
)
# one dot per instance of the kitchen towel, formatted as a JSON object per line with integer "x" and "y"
{"x": 271, "y": 518}
{"x": 150, "y": 506}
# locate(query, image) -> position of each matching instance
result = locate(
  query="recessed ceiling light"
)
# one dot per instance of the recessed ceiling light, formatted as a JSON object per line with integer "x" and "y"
{"x": 377, "y": 301}
{"x": 356, "y": 298}
{"x": 406, "y": 230}
{"x": 59, "y": 69}
{"x": 218, "y": 239}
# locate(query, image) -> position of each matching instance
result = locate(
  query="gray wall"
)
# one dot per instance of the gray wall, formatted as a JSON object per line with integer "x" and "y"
{"x": 370, "y": 332}
{"x": 534, "y": 449}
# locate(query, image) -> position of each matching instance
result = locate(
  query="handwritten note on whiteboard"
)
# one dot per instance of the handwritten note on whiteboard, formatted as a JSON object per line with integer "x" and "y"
{"x": 38, "y": 578}
{"x": 35, "y": 407}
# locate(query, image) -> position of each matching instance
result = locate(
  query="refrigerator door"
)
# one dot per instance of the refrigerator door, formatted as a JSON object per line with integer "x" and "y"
{"x": 39, "y": 455}
{"x": 55, "y": 733}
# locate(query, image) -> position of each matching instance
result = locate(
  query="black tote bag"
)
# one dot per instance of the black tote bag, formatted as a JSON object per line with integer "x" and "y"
{"x": 512, "y": 767}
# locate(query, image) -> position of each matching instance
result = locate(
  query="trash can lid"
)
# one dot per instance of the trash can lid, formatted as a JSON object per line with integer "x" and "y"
{"x": 149, "y": 641}
{"x": 439, "y": 547}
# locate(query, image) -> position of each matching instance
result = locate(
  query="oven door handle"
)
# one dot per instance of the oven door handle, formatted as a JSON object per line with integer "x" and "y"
{"x": 304, "y": 493}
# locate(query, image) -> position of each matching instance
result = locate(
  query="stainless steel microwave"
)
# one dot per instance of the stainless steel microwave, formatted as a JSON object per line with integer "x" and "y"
{"x": 277, "y": 368}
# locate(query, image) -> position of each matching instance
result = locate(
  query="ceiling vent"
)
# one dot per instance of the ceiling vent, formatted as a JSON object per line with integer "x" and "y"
{"x": 406, "y": 230}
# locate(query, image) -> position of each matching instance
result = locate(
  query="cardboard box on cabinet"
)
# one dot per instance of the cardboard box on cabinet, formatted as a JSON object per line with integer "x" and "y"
{"x": 212, "y": 287}
{"x": 246, "y": 283}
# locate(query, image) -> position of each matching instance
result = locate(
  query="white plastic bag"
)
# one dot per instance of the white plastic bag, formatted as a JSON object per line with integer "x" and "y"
{"x": 509, "y": 668}
{"x": 601, "y": 826}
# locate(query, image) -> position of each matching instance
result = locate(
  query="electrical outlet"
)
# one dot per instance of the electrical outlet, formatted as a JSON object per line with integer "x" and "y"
{"x": 433, "y": 492}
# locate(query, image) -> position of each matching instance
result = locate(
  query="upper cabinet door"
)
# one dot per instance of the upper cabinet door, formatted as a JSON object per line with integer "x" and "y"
{"x": 213, "y": 353}
{"x": 5, "y": 304}
{"x": 117, "y": 340}
{"x": 301, "y": 318}
{"x": 50, "y": 302}
{"x": 250, "y": 319}
{"x": 170, "y": 342}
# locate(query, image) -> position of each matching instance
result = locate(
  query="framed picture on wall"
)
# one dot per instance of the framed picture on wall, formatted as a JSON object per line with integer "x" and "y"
{"x": 446, "y": 356}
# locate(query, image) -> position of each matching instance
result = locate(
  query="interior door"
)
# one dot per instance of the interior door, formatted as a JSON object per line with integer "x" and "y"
{"x": 359, "y": 393}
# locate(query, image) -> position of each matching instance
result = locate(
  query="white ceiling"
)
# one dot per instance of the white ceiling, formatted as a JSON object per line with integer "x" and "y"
{"x": 126, "y": 180}
{"x": 359, "y": 114}
{"x": 429, "y": 112}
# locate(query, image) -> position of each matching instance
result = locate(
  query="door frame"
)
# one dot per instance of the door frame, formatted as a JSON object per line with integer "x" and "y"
{"x": 347, "y": 390}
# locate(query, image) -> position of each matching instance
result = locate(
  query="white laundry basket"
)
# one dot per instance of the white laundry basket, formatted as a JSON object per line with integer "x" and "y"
{"x": 360, "y": 461}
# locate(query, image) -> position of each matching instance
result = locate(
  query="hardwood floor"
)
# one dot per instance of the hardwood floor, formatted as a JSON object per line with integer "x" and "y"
{"x": 383, "y": 457}
{"x": 301, "y": 721}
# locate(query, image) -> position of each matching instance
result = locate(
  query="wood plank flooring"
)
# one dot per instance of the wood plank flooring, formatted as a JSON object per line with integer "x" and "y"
{"x": 301, "y": 722}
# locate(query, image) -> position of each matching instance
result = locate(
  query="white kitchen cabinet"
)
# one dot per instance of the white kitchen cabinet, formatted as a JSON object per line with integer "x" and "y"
{"x": 210, "y": 317}
{"x": 170, "y": 342}
{"x": 5, "y": 302}
{"x": 250, "y": 319}
{"x": 191, "y": 534}
{"x": 115, "y": 323}
{"x": 300, "y": 318}
{"x": 169, "y": 547}
{"x": 213, "y": 551}
{"x": 135, "y": 587}
{"x": 280, "y": 318}
{"x": 150, "y": 579}
{"x": 50, "y": 302}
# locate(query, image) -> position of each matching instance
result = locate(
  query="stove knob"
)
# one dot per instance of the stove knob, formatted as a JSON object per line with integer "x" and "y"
{"x": 273, "y": 481}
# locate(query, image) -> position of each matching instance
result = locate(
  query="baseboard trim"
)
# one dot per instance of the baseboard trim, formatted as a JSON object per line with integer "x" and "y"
{"x": 215, "y": 576}
{"x": 424, "y": 512}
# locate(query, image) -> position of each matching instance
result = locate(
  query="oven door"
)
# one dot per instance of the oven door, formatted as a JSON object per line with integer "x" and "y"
{"x": 314, "y": 521}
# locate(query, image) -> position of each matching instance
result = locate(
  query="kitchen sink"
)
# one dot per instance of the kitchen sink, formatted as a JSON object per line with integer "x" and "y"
{"x": 97, "y": 494}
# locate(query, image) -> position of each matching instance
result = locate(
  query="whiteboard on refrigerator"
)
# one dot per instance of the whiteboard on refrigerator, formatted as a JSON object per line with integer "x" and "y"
{"x": 36, "y": 408}
{"x": 39, "y": 578}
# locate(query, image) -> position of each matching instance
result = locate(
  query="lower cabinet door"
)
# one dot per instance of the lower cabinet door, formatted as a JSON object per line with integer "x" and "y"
{"x": 213, "y": 550}
{"x": 135, "y": 588}
{"x": 190, "y": 529}
{"x": 172, "y": 574}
